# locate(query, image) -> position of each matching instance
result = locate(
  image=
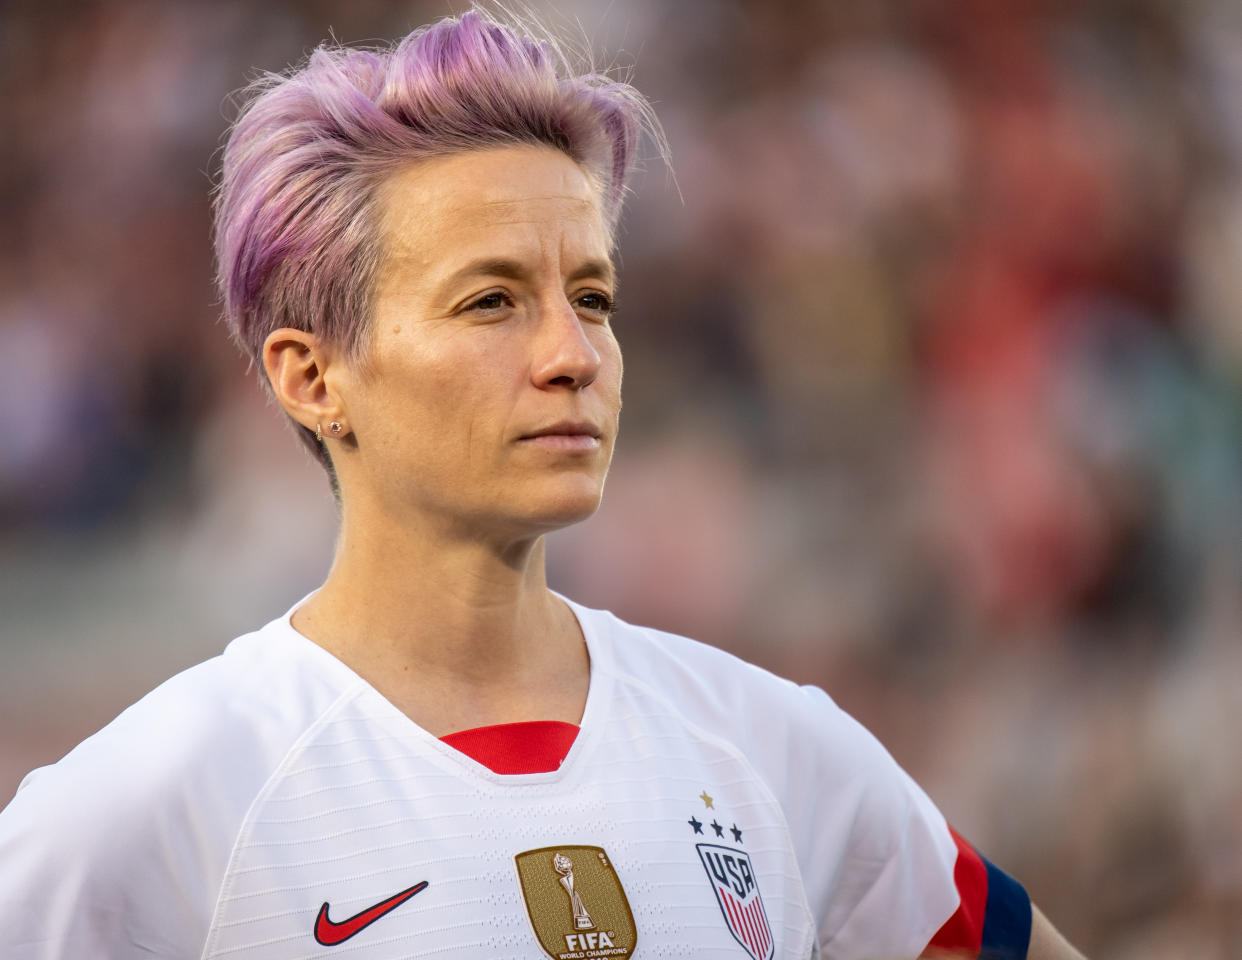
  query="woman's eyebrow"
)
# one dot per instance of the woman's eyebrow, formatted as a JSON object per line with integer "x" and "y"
{"x": 489, "y": 267}
{"x": 513, "y": 270}
{"x": 602, "y": 269}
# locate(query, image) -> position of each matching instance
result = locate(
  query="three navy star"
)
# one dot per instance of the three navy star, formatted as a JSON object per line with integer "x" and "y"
{"x": 697, "y": 825}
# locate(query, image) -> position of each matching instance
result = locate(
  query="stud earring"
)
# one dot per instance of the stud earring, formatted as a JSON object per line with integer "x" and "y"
{"x": 334, "y": 428}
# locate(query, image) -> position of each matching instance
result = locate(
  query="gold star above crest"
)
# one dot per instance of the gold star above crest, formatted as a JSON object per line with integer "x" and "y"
{"x": 707, "y": 801}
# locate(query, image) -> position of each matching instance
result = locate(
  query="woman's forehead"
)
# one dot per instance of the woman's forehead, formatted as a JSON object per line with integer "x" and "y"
{"x": 498, "y": 184}
{"x": 495, "y": 202}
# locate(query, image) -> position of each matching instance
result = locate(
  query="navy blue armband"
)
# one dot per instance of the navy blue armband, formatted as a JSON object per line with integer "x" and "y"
{"x": 1007, "y": 920}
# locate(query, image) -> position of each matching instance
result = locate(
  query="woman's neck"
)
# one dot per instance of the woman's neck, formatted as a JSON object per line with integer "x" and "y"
{"x": 455, "y": 632}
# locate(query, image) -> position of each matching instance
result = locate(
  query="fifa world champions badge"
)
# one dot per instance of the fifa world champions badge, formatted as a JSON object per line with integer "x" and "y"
{"x": 576, "y": 903}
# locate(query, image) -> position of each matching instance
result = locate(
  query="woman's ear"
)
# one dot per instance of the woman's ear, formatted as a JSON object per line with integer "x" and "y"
{"x": 297, "y": 363}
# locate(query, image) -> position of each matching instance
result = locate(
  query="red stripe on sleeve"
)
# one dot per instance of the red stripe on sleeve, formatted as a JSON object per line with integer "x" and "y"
{"x": 962, "y": 933}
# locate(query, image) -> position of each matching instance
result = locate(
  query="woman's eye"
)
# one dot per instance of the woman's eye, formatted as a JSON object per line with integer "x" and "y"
{"x": 596, "y": 303}
{"x": 492, "y": 301}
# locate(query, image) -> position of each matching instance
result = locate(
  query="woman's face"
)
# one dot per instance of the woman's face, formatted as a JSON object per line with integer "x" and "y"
{"x": 490, "y": 391}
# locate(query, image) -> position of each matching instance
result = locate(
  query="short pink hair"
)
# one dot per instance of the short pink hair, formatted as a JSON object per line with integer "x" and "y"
{"x": 296, "y": 230}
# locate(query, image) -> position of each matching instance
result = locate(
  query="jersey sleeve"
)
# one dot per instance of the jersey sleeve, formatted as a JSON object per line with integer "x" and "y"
{"x": 119, "y": 850}
{"x": 885, "y": 874}
{"x": 92, "y": 869}
{"x": 993, "y": 917}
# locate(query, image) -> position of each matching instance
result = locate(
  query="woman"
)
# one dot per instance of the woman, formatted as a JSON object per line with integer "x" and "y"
{"x": 433, "y": 754}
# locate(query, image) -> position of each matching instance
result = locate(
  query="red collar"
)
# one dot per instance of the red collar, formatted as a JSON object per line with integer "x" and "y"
{"x": 531, "y": 746}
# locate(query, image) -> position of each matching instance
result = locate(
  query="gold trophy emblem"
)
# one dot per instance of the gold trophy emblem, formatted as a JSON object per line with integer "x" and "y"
{"x": 586, "y": 876}
{"x": 565, "y": 867}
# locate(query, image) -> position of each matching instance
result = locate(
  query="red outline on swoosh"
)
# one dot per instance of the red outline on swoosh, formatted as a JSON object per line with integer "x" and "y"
{"x": 330, "y": 934}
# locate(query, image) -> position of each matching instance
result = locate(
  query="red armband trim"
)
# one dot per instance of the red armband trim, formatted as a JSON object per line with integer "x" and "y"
{"x": 963, "y": 932}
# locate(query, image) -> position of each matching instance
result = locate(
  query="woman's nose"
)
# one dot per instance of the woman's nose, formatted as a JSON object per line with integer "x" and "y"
{"x": 564, "y": 354}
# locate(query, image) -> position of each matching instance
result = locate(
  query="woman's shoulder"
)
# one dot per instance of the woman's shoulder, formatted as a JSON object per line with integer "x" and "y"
{"x": 146, "y": 811}
{"x": 711, "y": 685}
{"x": 258, "y": 695}
{"x": 196, "y": 749}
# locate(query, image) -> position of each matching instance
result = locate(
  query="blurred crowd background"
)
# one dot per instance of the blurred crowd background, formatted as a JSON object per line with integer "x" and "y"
{"x": 933, "y": 396}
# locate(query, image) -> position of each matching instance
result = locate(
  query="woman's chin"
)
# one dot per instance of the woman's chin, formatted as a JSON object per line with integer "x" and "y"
{"x": 567, "y": 514}
{"x": 554, "y": 509}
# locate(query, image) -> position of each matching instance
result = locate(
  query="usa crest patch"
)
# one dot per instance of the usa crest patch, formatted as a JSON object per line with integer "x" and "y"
{"x": 737, "y": 892}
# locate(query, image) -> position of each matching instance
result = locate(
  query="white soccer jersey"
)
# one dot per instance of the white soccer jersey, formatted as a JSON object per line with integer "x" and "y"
{"x": 270, "y": 803}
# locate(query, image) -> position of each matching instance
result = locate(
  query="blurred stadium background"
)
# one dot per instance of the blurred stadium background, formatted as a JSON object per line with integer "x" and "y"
{"x": 934, "y": 397}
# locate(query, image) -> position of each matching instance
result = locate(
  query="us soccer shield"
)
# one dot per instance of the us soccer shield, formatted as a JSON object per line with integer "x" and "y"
{"x": 737, "y": 893}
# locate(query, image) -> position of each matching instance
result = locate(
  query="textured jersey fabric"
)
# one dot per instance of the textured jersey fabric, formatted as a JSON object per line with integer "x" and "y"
{"x": 269, "y": 802}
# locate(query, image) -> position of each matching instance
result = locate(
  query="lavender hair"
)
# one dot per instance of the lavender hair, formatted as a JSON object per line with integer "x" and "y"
{"x": 296, "y": 226}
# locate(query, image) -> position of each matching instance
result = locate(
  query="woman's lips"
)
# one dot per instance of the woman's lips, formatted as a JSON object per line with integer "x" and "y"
{"x": 567, "y": 442}
{"x": 569, "y": 437}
